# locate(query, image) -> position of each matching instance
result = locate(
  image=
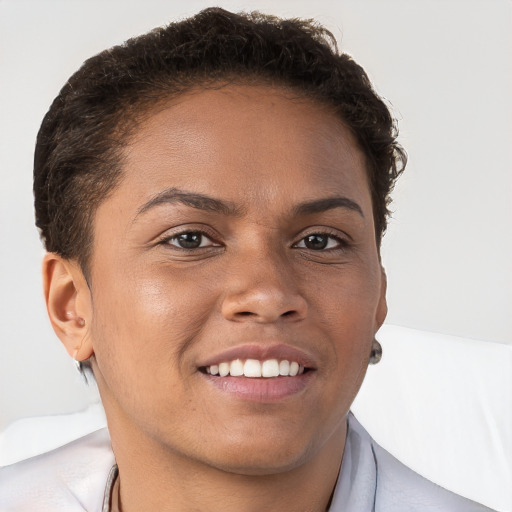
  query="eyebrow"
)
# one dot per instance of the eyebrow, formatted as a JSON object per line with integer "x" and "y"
{"x": 198, "y": 201}
{"x": 210, "y": 204}
{"x": 329, "y": 203}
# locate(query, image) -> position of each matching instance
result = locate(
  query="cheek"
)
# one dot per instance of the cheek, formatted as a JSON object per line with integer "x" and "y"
{"x": 142, "y": 327}
{"x": 143, "y": 322}
{"x": 346, "y": 313}
{"x": 348, "y": 299}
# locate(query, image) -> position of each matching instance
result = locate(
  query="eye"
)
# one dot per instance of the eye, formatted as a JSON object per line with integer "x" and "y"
{"x": 320, "y": 242}
{"x": 191, "y": 240}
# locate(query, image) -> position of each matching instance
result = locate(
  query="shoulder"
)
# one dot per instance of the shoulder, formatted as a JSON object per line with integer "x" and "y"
{"x": 395, "y": 486}
{"x": 69, "y": 478}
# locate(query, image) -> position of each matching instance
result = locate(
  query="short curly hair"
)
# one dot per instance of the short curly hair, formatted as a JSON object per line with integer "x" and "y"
{"x": 78, "y": 156}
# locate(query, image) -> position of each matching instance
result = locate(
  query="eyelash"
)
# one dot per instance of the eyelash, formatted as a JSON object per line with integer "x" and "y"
{"x": 340, "y": 243}
{"x": 203, "y": 234}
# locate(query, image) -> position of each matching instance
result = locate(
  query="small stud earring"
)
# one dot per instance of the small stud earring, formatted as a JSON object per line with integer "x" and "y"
{"x": 376, "y": 353}
{"x": 81, "y": 322}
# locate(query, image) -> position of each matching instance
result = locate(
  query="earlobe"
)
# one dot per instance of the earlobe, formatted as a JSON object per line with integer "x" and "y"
{"x": 68, "y": 303}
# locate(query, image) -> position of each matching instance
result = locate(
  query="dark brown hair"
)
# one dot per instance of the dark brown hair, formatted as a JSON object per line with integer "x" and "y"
{"x": 78, "y": 157}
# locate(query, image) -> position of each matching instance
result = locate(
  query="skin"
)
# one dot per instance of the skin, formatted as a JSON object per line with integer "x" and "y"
{"x": 155, "y": 312}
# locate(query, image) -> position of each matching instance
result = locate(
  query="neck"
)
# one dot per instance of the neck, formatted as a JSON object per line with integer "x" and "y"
{"x": 155, "y": 478}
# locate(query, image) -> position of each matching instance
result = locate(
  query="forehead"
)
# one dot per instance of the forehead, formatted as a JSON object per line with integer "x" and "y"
{"x": 258, "y": 142}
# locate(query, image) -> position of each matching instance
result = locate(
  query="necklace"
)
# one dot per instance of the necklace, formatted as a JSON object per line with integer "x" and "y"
{"x": 111, "y": 497}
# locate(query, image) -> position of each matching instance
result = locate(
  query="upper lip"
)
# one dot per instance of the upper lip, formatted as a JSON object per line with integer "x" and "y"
{"x": 262, "y": 352}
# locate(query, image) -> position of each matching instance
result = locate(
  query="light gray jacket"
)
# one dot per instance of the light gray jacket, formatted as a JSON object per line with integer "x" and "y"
{"x": 76, "y": 478}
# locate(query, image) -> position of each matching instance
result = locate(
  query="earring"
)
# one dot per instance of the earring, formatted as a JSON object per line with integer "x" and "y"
{"x": 79, "y": 365}
{"x": 376, "y": 353}
{"x": 82, "y": 369}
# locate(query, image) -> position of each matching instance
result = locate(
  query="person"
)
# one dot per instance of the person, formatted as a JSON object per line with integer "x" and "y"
{"x": 212, "y": 197}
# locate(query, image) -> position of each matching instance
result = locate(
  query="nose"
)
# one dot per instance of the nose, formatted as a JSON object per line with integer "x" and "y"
{"x": 263, "y": 290}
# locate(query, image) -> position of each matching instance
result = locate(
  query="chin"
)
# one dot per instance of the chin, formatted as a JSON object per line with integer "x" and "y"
{"x": 260, "y": 464}
{"x": 264, "y": 454}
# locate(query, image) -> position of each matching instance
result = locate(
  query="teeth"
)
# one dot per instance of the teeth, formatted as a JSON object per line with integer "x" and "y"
{"x": 236, "y": 368}
{"x": 284, "y": 368}
{"x": 223, "y": 369}
{"x": 270, "y": 368}
{"x": 253, "y": 368}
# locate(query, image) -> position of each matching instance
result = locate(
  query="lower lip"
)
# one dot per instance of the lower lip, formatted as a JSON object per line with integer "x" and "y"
{"x": 271, "y": 389}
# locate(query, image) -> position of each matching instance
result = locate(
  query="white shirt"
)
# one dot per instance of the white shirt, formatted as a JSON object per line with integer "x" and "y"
{"x": 75, "y": 477}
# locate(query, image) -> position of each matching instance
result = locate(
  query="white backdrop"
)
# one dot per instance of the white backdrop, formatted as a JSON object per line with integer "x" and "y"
{"x": 446, "y": 67}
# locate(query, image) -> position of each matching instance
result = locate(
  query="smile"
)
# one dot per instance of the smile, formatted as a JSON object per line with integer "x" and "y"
{"x": 260, "y": 372}
{"x": 253, "y": 368}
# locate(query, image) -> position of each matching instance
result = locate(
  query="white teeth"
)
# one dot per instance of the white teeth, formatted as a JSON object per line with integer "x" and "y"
{"x": 237, "y": 368}
{"x": 270, "y": 368}
{"x": 223, "y": 369}
{"x": 254, "y": 368}
{"x": 284, "y": 368}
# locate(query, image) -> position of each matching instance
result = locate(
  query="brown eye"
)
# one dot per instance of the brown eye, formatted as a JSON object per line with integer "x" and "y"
{"x": 320, "y": 242}
{"x": 316, "y": 242}
{"x": 191, "y": 240}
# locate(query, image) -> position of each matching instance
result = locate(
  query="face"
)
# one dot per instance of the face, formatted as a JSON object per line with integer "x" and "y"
{"x": 241, "y": 240}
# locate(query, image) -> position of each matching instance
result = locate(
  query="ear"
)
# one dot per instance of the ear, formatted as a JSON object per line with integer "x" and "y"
{"x": 68, "y": 301}
{"x": 382, "y": 307}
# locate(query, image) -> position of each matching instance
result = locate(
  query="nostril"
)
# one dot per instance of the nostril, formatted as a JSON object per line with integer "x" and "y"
{"x": 256, "y": 306}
